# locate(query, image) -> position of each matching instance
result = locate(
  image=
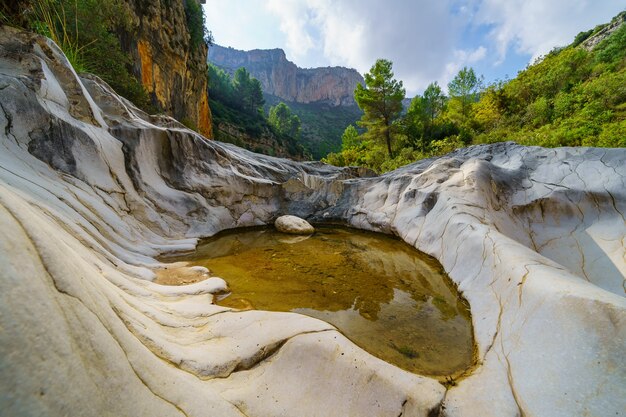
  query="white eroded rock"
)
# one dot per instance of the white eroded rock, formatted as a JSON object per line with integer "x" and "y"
{"x": 92, "y": 189}
{"x": 293, "y": 225}
{"x": 213, "y": 285}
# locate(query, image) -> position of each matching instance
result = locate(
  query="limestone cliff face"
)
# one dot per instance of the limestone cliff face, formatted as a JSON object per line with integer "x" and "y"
{"x": 282, "y": 78}
{"x": 171, "y": 69}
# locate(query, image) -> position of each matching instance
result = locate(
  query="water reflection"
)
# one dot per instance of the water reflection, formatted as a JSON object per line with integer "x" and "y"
{"x": 390, "y": 299}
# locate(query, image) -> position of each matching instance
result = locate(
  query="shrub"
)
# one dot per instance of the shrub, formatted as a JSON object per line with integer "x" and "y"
{"x": 86, "y": 32}
{"x": 198, "y": 32}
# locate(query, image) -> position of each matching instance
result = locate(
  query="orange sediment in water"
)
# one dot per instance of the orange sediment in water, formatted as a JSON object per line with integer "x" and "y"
{"x": 390, "y": 299}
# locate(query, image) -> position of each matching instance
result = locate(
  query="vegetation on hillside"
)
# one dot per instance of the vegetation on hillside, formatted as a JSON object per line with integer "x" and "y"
{"x": 570, "y": 97}
{"x": 198, "y": 31}
{"x": 88, "y": 32}
{"x": 238, "y": 102}
{"x": 284, "y": 121}
{"x": 322, "y": 124}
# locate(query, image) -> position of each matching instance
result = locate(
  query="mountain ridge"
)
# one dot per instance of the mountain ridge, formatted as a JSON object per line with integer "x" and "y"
{"x": 284, "y": 79}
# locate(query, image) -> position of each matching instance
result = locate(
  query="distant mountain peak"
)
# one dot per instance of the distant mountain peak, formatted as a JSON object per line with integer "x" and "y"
{"x": 284, "y": 79}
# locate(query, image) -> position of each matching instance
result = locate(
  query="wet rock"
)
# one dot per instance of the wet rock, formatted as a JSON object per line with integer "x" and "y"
{"x": 293, "y": 225}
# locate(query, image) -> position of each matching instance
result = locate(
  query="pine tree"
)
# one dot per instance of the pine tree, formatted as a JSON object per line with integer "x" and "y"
{"x": 381, "y": 101}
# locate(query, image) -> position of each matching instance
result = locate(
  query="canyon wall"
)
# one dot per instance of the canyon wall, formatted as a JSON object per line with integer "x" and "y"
{"x": 93, "y": 190}
{"x": 171, "y": 68}
{"x": 282, "y": 78}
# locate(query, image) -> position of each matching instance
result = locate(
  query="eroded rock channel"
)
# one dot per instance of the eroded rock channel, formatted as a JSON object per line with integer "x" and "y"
{"x": 387, "y": 297}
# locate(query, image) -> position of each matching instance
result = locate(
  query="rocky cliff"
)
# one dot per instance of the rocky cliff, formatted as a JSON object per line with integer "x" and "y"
{"x": 603, "y": 31}
{"x": 92, "y": 190}
{"x": 282, "y": 78}
{"x": 171, "y": 68}
{"x": 262, "y": 141}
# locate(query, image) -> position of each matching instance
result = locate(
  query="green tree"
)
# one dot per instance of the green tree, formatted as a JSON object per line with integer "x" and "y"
{"x": 465, "y": 88}
{"x": 434, "y": 101}
{"x": 381, "y": 101}
{"x": 415, "y": 121}
{"x": 420, "y": 120}
{"x": 248, "y": 90}
{"x": 220, "y": 85}
{"x": 284, "y": 121}
{"x": 350, "y": 138}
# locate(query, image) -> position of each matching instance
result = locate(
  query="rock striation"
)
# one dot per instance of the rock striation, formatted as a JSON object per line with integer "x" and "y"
{"x": 282, "y": 78}
{"x": 170, "y": 67}
{"x": 92, "y": 190}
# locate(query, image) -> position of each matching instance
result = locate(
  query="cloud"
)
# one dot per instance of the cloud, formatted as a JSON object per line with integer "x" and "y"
{"x": 295, "y": 24}
{"x": 462, "y": 58}
{"x": 417, "y": 35}
{"x": 426, "y": 40}
{"x": 243, "y": 24}
{"x": 534, "y": 27}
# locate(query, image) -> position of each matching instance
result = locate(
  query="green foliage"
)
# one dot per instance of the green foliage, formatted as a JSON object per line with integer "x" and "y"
{"x": 381, "y": 102}
{"x": 248, "y": 90}
{"x": 464, "y": 90}
{"x": 581, "y": 37}
{"x": 284, "y": 121}
{"x": 242, "y": 92}
{"x": 322, "y": 124}
{"x": 238, "y": 102}
{"x": 434, "y": 101}
{"x": 613, "y": 49}
{"x": 86, "y": 31}
{"x": 220, "y": 86}
{"x": 570, "y": 97}
{"x": 422, "y": 122}
{"x": 198, "y": 32}
{"x": 350, "y": 138}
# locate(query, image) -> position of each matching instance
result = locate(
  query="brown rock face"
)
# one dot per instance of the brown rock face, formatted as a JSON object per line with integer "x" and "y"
{"x": 282, "y": 78}
{"x": 171, "y": 69}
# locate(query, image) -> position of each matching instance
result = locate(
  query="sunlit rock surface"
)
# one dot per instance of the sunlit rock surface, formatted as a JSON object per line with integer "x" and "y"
{"x": 293, "y": 225}
{"x": 91, "y": 190}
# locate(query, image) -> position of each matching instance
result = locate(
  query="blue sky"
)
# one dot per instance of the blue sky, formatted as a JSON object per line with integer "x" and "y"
{"x": 427, "y": 40}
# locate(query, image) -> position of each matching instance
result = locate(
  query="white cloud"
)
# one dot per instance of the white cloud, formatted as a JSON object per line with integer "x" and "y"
{"x": 534, "y": 27}
{"x": 243, "y": 24}
{"x": 426, "y": 40}
{"x": 461, "y": 58}
{"x": 294, "y": 20}
{"x": 417, "y": 35}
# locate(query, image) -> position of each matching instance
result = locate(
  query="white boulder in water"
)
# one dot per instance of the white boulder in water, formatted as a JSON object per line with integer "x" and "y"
{"x": 293, "y": 225}
{"x": 92, "y": 190}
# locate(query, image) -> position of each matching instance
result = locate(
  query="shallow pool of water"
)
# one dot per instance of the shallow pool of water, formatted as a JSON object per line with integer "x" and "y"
{"x": 390, "y": 299}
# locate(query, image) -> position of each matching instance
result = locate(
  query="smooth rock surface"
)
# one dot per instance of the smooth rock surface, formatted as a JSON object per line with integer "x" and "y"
{"x": 92, "y": 189}
{"x": 293, "y": 225}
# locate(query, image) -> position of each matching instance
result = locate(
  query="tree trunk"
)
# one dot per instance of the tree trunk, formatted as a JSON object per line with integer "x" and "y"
{"x": 388, "y": 138}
